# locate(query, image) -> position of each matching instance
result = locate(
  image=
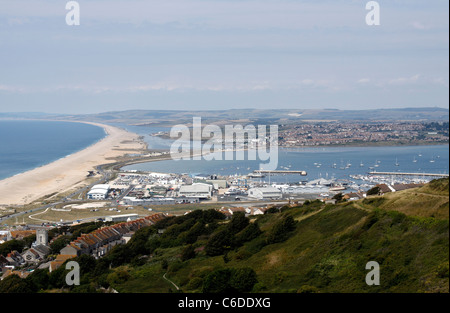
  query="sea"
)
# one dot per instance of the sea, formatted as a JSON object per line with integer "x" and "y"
{"x": 26, "y": 145}
{"x": 338, "y": 163}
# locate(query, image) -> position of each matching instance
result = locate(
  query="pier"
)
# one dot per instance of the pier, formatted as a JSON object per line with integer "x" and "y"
{"x": 303, "y": 173}
{"x": 409, "y": 174}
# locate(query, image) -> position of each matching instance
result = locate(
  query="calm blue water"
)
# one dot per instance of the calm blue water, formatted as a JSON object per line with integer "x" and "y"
{"x": 319, "y": 162}
{"x": 153, "y": 143}
{"x": 26, "y": 145}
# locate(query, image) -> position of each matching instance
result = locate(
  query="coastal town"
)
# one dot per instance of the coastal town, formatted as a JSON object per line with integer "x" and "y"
{"x": 343, "y": 133}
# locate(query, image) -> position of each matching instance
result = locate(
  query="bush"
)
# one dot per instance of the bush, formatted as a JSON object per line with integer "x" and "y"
{"x": 230, "y": 280}
{"x": 188, "y": 253}
{"x": 39, "y": 279}
{"x": 217, "y": 282}
{"x": 248, "y": 233}
{"x": 281, "y": 230}
{"x": 120, "y": 276}
{"x": 442, "y": 270}
{"x": 15, "y": 284}
{"x": 308, "y": 289}
{"x": 195, "y": 283}
{"x": 243, "y": 279}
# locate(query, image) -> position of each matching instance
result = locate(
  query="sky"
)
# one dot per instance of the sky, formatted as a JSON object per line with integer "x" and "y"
{"x": 222, "y": 54}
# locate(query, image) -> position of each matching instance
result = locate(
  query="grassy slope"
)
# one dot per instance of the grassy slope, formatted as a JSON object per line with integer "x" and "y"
{"x": 431, "y": 200}
{"x": 328, "y": 251}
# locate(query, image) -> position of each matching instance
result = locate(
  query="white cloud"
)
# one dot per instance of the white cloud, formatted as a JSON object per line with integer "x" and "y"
{"x": 405, "y": 80}
{"x": 419, "y": 25}
{"x": 363, "y": 81}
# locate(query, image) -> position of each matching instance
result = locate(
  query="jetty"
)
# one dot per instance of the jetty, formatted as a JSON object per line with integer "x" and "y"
{"x": 409, "y": 174}
{"x": 303, "y": 173}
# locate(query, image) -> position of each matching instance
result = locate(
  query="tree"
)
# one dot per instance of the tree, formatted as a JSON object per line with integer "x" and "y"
{"x": 39, "y": 279}
{"x": 87, "y": 263}
{"x": 248, "y": 233}
{"x": 374, "y": 191}
{"x": 243, "y": 279}
{"x": 58, "y": 244}
{"x": 211, "y": 215}
{"x": 11, "y": 245}
{"x": 238, "y": 222}
{"x": 281, "y": 230}
{"x": 192, "y": 234}
{"x": 217, "y": 281}
{"x": 338, "y": 197}
{"x": 218, "y": 243}
{"x": 164, "y": 264}
{"x": 230, "y": 280}
{"x": 15, "y": 284}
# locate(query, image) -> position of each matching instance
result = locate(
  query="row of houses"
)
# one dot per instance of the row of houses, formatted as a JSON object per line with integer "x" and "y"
{"x": 386, "y": 188}
{"x": 228, "y": 212}
{"x": 100, "y": 241}
{"x": 383, "y": 189}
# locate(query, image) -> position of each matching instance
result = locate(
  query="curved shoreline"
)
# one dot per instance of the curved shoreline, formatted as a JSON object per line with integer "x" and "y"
{"x": 68, "y": 171}
{"x": 62, "y": 157}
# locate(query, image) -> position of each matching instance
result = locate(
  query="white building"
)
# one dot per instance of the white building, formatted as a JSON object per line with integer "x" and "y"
{"x": 98, "y": 192}
{"x": 150, "y": 201}
{"x": 197, "y": 190}
{"x": 122, "y": 218}
{"x": 265, "y": 193}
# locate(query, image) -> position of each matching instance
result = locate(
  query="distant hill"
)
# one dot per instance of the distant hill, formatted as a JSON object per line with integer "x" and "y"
{"x": 268, "y": 116}
{"x": 280, "y": 116}
{"x": 255, "y": 116}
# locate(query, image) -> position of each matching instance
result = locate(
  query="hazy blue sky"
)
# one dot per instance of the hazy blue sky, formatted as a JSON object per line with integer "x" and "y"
{"x": 215, "y": 54}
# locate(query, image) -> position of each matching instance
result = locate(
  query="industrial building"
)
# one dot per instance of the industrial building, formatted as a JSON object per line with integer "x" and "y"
{"x": 196, "y": 190}
{"x": 98, "y": 192}
{"x": 122, "y": 218}
{"x": 265, "y": 193}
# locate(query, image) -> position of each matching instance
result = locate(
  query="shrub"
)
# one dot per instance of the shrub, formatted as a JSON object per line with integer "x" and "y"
{"x": 230, "y": 280}
{"x": 15, "y": 284}
{"x": 243, "y": 279}
{"x": 248, "y": 233}
{"x": 195, "y": 283}
{"x": 188, "y": 253}
{"x": 217, "y": 282}
{"x": 281, "y": 230}
{"x": 308, "y": 289}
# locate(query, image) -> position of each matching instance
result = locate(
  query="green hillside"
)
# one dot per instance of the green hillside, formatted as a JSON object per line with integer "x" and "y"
{"x": 311, "y": 248}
